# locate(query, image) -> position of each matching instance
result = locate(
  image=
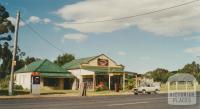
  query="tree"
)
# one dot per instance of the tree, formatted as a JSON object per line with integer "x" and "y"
{"x": 6, "y": 56}
{"x": 5, "y": 25}
{"x": 29, "y": 60}
{"x": 159, "y": 75}
{"x": 65, "y": 58}
{"x": 192, "y": 68}
{"x": 22, "y": 62}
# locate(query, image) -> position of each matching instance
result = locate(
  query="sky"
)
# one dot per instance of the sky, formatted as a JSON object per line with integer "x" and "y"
{"x": 168, "y": 39}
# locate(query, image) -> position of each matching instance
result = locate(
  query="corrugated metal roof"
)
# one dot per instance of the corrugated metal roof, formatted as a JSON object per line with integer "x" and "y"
{"x": 42, "y": 66}
{"x": 75, "y": 64}
{"x": 57, "y": 75}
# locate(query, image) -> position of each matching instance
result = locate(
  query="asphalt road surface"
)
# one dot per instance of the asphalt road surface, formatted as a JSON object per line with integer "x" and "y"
{"x": 106, "y": 102}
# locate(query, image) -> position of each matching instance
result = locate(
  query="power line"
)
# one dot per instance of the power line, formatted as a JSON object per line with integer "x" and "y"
{"x": 43, "y": 38}
{"x": 138, "y": 15}
{"x": 115, "y": 19}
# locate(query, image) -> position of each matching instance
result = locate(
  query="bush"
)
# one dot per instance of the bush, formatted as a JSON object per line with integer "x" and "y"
{"x": 131, "y": 84}
{"x": 18, "y": 87}
{"x": 101, "y": 87}
{"x": 4, "y": 83}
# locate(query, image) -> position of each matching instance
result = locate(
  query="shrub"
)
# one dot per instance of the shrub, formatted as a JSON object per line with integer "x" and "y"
{"x": 101, "y": 87}
{"x": 131, "y": 84}
{"x": 4, "y": 83}
{"x": 18, "y": 87}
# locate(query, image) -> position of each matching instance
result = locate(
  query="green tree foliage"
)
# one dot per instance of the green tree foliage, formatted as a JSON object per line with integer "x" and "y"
{"x": 65, "y": 58}
{"x": 159, "y": 75}
{"x": 22, "y": 62}
{"x": 6, "y": 56}
{"x": 193, "y": 69}
{"x": 162, "y": 75}
{"x": 6, "y": 28}
{"x": 5, "y": 25}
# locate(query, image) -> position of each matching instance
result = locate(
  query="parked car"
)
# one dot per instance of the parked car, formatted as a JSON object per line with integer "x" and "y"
{"x": 151, "y": 88}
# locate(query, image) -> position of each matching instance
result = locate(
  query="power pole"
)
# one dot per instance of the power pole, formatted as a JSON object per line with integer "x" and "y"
{"x": 11, "y": 82}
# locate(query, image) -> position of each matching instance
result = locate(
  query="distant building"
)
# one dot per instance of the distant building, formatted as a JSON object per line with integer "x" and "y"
{"x": 52, "y": 76}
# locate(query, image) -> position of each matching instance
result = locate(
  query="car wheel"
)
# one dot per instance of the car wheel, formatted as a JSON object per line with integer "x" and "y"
{"x": 156, "y": 91}
{"x": 148, "y": 92}
{"x": 143, "y": 91}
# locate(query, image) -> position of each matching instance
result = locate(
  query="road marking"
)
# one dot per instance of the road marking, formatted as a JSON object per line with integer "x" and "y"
{"x": 122, "y": 104}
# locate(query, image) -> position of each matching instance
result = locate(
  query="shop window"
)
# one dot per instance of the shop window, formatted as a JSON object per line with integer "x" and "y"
{"x": 51, "y": 82}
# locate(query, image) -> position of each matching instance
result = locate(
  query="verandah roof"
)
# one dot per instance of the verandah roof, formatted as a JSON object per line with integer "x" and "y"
{"x": 99, "y": 69}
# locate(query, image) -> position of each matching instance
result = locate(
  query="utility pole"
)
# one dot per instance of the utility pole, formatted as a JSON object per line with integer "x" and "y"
{"x": 11, "y": 82}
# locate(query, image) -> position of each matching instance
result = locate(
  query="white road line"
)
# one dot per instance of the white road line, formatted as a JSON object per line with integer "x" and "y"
{"x": 122, "y": 104}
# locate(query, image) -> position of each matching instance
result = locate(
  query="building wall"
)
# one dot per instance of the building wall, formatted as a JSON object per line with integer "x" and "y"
{"x": 23, "y": 79}
{"x": 95, "y": 62}
{"x": 79, "y": 73}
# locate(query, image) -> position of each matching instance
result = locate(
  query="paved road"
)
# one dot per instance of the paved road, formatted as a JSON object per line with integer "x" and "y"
{"x": 106, "y": 102}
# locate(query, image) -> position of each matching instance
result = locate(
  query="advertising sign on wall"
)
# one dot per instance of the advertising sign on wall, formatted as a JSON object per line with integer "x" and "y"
{"x": 103, "y": 62}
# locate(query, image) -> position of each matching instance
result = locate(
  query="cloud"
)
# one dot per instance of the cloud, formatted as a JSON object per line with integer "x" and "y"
{"x": 75, "y": 37}
{"x": 193, "y": 50}
{"x": 13, "y": 20}
{"x": 121, "y": 53}
{"x": 174, "y": 22}
{"x": 36, "y": 19}
{"x": 46, "y": 20}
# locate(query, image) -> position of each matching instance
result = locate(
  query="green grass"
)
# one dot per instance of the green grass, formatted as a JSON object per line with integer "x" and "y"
{"x": 180, "y": 87}
{"x": 16, "y": 92}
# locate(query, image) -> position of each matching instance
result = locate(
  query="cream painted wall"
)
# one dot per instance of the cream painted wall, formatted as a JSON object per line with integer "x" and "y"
{"x": 23, "y": 79}
{"x": 94, "y": 62}
{"x": 78, "y": 73}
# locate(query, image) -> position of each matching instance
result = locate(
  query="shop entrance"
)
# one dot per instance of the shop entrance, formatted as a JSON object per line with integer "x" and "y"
{"x": 102, "y": 79}
{"x": 116, "y": 79}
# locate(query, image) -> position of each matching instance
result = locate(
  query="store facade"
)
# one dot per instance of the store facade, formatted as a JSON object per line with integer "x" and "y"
{"x": 97, "y": 71}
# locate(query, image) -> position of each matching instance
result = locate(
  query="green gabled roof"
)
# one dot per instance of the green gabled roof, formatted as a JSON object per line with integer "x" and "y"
{"x": 75, "y": 64}
{"x": 42, "y": 66}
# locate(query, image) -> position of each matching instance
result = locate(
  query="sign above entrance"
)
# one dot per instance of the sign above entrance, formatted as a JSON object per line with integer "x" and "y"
{"x": 35, "y": 74}
{"x": 103, "y": 62}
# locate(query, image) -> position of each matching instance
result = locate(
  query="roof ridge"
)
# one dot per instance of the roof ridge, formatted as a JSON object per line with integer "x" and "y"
{"x": 41, "y": 64}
